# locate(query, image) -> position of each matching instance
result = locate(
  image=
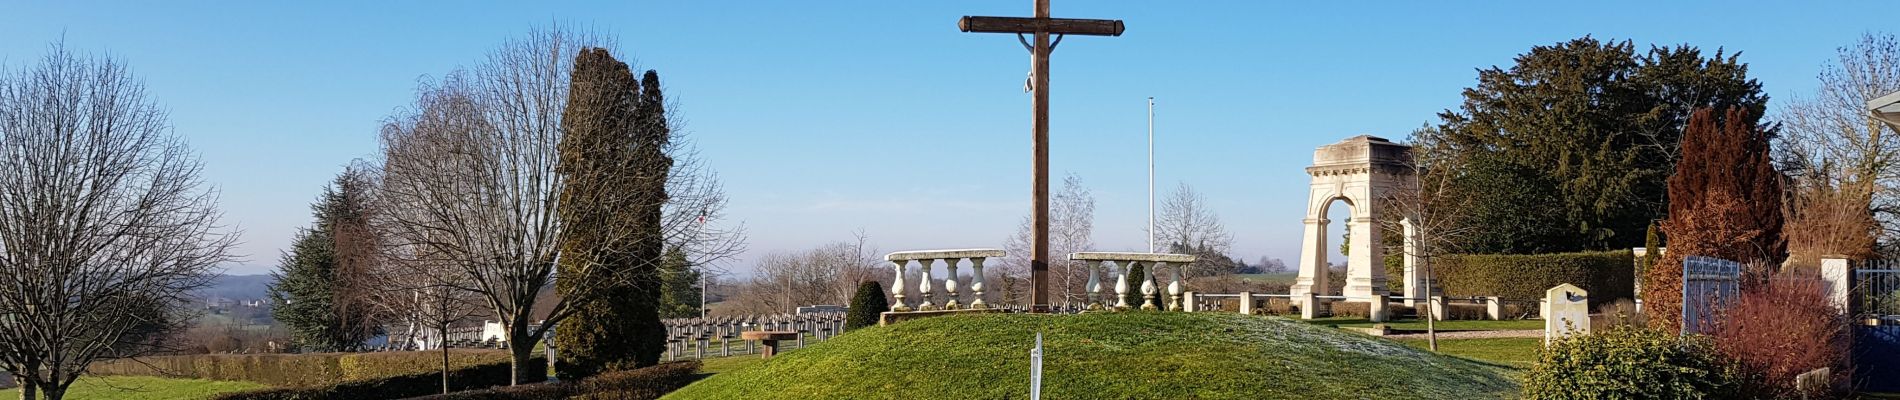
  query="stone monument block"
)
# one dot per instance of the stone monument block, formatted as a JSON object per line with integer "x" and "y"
{"x": 1569, "y": 313}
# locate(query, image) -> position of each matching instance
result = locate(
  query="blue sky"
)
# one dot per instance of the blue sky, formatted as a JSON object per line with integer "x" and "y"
{"x": 825, "y": 117}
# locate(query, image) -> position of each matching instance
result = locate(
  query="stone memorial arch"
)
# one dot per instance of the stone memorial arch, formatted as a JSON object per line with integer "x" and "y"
{"x": 1362, "y": 171}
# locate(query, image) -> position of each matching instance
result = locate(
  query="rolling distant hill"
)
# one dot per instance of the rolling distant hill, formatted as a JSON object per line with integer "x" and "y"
{"x": 237, "y": 287}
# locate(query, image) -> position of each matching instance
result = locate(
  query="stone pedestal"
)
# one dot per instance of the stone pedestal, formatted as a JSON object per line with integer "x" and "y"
{"x": 1437, "y": 306}
{"x": 769, "y": 339}
{"x": 1246, "y": 303}
{"x": 1376, "y": 309}
{"x": 1494, "y": 308}
{"x": 1309, "y": 306}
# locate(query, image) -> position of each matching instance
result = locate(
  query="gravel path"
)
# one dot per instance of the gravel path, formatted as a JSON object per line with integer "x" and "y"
{"x": 1531, "y": 333}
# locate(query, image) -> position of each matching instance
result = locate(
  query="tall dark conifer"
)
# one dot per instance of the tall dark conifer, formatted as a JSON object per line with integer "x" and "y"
{"x": 1725, "y": 202}
{"x": 614, "y": 144}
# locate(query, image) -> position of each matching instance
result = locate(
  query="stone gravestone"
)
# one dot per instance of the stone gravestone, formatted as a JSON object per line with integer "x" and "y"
{"x": 1569, "y": 312}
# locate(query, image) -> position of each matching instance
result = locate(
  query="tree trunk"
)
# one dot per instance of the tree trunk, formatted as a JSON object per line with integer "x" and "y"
{"x": 443, "y": 333}
{"x": 28, "y": 390}
{"x": 521, "y": 353}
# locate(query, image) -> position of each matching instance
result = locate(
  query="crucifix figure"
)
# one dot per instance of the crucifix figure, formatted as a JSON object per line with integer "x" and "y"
{"x": 1041, "y": 26}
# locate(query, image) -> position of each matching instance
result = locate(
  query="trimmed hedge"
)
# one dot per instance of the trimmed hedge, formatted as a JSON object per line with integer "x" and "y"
{"x": 639, "y": 384}
{"x": 292, "y": 370}
{"x": 396, "y": 387}
{"x": 1607, "y": 275}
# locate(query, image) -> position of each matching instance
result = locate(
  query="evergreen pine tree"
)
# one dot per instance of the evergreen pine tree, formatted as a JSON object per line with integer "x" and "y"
{"x": 312, "y": 292}
{"x": 679, "y": 287}
{"x": 866, "y": 306}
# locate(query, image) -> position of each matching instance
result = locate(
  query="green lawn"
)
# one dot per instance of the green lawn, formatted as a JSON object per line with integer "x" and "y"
{"x": 1103, "y": 355}
{"x": 1419, "y": 325}
{"x": 722, "y": 364}
{"x": 1512, "y": 352}
{"x": 144, "y": 387}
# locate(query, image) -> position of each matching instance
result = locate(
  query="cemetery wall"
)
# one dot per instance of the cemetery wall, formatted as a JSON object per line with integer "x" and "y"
{"x": 1607, "y": 275}
{"x": 296, "y": 369}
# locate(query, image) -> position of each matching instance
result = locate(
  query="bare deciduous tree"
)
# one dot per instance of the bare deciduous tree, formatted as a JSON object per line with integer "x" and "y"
{"x": 474, "y": 165}
{"x": 1829, "y": 141}
{"x": 1071, "y": 229}
{"x": 104, "y": 224}
{"x": 1437, "y": 214}
{"x": 828, "y": 274}
{"x": 1187, "y": 222}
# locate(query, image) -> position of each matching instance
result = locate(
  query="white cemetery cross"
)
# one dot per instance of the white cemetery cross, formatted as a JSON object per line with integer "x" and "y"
{"x": 1569, "y": 312}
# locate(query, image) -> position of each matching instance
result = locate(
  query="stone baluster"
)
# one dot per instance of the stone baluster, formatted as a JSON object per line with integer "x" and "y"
{"x": 1148, "y": 287}
{"x": 1095, "y": 284}
{"x": 1174, "y": 286}
{"x": 976, "y": 284}
{"x": 924, "y": 288}
{"x": 897, "y": 286}
{"x": 1121, "y": 283}
{"x": 950, "y": 283}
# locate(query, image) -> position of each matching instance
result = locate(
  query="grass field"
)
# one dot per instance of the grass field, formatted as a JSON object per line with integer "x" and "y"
{"x": 1283, "y": 278}
{"x": 1516, "y": 353}
{"x": 1106, "y": 355}
{"x": 144, "y": 387}
{"x": 1413, "y": 324}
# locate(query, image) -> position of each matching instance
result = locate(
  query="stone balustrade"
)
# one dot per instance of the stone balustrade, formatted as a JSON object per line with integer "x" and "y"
{"x": 1125, "y": 262}
{"x": 926, "y": 288}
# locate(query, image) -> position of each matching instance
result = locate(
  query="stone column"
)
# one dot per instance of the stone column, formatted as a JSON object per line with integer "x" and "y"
{"x": 897, "y": 286}
{"x": 1121, "y": 284}
{"x": 950, "y": 283}
{"x": 976, "y": 284}
{"x": 924, "y": 289}
{"x": 1174, "y": 286}
{"x": 1438, "y": 307}
{"x": 1094, "y": 287}
{"x": 1187, "y": 301}
{"x": 1838, "y": 276}
{"x": 1414, "y": 266}
{"x": 1494, "y": 308}
{"x": 1365, "y": 265}
{"x": 1313, "y": 268}
{"x": 1246, "y": 303}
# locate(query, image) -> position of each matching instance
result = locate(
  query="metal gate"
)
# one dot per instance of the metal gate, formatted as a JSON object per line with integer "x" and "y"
{"x": 1876, "y": 317}
{"x": 1708, "y": 285}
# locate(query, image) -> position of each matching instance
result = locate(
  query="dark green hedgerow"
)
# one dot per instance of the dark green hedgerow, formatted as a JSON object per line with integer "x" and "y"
{"x": 1607, "y": 275}
{"x": 395, "y": 387}
{"x": 639, "y": 384}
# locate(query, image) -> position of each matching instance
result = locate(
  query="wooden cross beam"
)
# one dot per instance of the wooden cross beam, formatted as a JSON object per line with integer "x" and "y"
{"x": 1042, "y": 26}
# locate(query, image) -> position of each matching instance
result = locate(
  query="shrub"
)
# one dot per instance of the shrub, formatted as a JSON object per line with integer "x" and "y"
{"x": 638, "y": 384}
{"x": 292, "y": 370}
{"x": 1607, "y": 275}
{"x": 866, "y": 305}
{"x": 1355, "y": 309}
{"x": 1620, "y": 313}
{"x": 1630, "y": 363}
{"x": 1782, "y": 328}
{"x": 396, "y": 387}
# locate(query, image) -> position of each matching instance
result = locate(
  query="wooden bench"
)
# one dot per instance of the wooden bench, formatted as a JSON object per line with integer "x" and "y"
{"x": 770, "y": 339}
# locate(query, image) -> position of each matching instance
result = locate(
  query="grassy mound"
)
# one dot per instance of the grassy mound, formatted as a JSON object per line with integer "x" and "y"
{"x": 1138, "y": 355}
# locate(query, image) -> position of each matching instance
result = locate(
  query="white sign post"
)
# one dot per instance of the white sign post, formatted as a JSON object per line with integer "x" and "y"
{"x": 1035, "y": 369}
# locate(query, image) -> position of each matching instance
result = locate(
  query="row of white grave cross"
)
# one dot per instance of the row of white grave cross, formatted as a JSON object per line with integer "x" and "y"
{"x": 698, "y": 337}
{"x": 1094, "y": 262}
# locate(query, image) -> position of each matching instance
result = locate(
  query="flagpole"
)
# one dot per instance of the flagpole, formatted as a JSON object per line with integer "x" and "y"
{"x": 1151, "y": 174}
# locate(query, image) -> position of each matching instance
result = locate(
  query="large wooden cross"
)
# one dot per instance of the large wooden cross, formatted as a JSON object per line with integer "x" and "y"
{"x": 1042, "y": 26}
